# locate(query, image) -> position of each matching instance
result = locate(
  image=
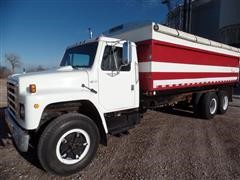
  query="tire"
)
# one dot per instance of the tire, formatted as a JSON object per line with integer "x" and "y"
{"x": 209, "y": 105}
{"x": 68, "y": 144}
{"x": 196, "y": 104}
{"x": 223, "y": 102}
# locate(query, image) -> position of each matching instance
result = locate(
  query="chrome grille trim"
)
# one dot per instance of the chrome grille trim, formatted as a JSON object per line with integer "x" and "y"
{"x": 12, "y": 96}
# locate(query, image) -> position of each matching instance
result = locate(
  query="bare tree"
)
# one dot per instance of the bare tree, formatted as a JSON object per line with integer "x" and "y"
{"x": 13, "y": 60}
{"x": 4, "y": 72}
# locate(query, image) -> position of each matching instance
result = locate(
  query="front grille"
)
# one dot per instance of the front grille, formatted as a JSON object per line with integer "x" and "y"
{"x": 12, "y": 94}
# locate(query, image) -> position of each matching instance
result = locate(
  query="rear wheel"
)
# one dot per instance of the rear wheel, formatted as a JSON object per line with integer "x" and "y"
{"x": 68, "y": 144}
{"x": 209, "y": 105}
{"x": 223, "y": 102}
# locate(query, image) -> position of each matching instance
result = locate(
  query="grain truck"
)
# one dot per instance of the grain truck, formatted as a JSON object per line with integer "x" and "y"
{"x": 105, "y": 85}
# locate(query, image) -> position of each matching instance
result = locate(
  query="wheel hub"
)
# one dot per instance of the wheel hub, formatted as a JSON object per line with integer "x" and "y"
{"x": 73, "y": 146}
{"x": 213, "y": 106}
{"x": 225, "y": 103}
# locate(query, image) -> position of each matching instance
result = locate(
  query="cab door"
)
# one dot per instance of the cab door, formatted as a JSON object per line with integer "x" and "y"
{"x": 116, "y": 81}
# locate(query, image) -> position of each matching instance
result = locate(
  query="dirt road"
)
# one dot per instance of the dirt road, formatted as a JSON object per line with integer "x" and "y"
{"x": 164, "y": 146}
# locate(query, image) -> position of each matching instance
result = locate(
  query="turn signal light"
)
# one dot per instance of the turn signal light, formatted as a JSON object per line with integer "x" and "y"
{"x": 32, "y": 88}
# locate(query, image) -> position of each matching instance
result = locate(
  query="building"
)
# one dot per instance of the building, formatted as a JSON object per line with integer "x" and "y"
{"x": 218, "y": 20}
{"x": 229, "y": 22}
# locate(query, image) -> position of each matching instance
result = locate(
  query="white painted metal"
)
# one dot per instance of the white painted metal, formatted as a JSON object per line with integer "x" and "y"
{"x": 183, "y": 82}
{"x": 115, "y": 87}
{"x": 65, "y": 84}
{"x": 146, "y": 32}
{"x": 179, "y": 67}
{"x": 190, "y": 40}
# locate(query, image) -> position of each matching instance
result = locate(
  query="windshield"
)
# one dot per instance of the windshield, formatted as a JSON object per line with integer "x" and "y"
{"x": 80, "y": 56}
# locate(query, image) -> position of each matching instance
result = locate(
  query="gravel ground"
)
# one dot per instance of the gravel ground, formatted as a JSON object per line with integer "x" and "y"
{"x": 237, "y": 92}
{"x": 171, "y": 145}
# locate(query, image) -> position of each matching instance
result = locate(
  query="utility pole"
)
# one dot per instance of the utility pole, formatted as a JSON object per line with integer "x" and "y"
{"x": 184, "y": 15}
{"x": 189, "y": 15}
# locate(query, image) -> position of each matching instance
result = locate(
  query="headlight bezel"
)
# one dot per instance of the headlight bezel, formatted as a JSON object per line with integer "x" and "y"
{"x": 22, "y": 111}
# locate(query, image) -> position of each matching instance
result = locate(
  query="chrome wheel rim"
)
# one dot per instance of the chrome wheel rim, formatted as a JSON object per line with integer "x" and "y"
{"x": 213, "y": 106}
{"x": 225, "y": 103}
{"x": 73, "y": 146}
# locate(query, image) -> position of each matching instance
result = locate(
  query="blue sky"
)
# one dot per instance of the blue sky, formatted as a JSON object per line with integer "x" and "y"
{"x": 40, "y": 30}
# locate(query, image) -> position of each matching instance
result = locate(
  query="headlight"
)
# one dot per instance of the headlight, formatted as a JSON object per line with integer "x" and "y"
{"x": 22, "y": 111}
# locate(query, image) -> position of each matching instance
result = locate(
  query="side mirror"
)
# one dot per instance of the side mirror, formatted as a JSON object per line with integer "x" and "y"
{"x": 126, "y": 56}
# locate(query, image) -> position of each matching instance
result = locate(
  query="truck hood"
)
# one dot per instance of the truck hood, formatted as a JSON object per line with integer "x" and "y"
{"x": 63, "y": 78}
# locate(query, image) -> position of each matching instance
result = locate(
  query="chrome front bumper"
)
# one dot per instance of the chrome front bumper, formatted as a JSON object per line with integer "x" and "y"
{"x": 20, "y": 137}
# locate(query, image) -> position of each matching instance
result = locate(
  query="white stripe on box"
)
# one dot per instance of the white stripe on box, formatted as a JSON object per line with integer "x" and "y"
{"x": 170, "y": 82}
{"x": 178, "y": 67}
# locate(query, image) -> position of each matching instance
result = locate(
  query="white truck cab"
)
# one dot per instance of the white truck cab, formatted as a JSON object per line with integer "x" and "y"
{"x": 97, "y": 82}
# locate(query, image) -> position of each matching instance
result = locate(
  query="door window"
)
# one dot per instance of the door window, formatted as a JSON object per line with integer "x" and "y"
{"x": 112, "y": 60}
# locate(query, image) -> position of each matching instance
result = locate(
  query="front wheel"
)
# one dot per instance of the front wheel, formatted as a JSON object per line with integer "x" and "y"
{"x": 68, "y": 144}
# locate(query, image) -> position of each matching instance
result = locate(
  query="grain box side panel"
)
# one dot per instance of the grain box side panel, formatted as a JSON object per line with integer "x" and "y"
{"x": 144, "y": 53}
{"x": 175, "y": 66}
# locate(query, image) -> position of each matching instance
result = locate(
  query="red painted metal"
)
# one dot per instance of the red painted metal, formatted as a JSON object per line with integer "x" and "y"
{"x": 158, "y": 51}
{"x": 154, "y": 50}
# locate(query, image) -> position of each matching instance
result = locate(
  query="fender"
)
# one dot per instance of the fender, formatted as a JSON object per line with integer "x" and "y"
{"x": 35, "y": 104}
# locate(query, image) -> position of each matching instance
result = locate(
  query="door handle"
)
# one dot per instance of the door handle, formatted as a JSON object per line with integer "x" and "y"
{"x": 132, "y": 87}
